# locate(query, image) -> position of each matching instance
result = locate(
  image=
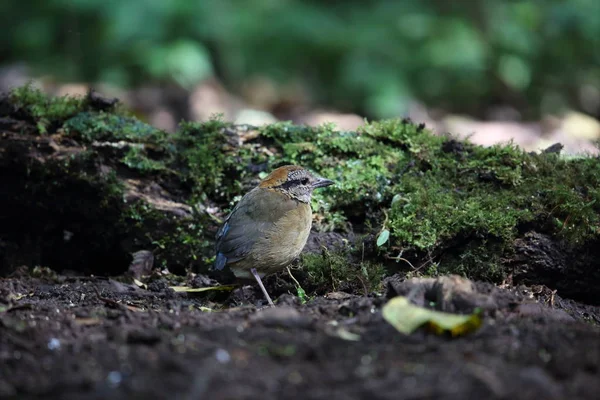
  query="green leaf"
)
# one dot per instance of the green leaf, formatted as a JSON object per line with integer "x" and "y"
{"x": 383, "y": 237}
{"x": 301, "y": 295}
{"x": 407, "y": 318}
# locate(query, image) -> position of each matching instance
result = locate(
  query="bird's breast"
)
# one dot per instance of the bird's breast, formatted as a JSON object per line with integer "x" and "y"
{"x": 292, "y": 230}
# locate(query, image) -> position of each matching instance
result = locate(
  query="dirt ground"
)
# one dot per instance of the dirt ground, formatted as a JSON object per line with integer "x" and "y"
{"x": 97, "y": 338}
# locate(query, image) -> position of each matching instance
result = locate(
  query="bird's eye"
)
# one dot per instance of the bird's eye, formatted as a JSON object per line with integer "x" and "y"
{"x": 304, "y": 181}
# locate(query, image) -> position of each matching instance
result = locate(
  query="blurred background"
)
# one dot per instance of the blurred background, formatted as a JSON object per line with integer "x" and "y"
{"x": 489, "y": 69}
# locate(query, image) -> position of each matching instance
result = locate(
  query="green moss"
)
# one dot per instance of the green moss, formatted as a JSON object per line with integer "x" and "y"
{"x": 208, "y": 157}
{"x": 202, "y": 155}
{"x": 143, "y": 144}
{"x": 178, "y": 244}
{"x": 45, "y": 111}
{"x": 102, "y": 126}
{"x": 143, "y": 148}
{"x": 458, "y": 204}
{"x": 431, "y": 210}
{"x": 137, "y": 158}
{"x": 404, "y": 134}
{"x": 567, "y": 193}
{"x": 443, "y": 197}
{"x": 482, "y": 259}
{"x": 331, "y": 271}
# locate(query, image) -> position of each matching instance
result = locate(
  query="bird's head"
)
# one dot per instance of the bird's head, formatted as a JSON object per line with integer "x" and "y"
{"x": 294, "y": 181}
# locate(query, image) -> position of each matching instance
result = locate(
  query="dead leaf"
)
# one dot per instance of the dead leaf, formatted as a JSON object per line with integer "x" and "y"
{"x": 338, "y": 296}
{"x": 407, "y": 318}
{"x": 140, "y": 284}
{"x": 189, "y": 289}
{"x": 134, "y": 308}
{"x": 345, "y": 334}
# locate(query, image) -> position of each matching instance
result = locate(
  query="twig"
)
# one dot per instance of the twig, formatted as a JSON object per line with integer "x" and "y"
{"x": 360, "y": 278}
{"x": 26, "y": 306}
{"x": 111, "y": 302}
{"x": 362, "y": 257}
{"x": 292, "y": 276}
{"x": 553, "y": 293}
{"x": 400, "y": 258}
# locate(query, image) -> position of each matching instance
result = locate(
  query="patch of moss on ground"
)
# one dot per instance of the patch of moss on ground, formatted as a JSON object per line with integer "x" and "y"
{"x": 178, "y": 244}
{"x": 336, "y": 270}
{"x": 144, "y": 148}
{"x": 203, "y": 156}
{"x": 141, "y": 147}
{"x": 103, "y": 126}
{"x": 43, "y": 110}
{"x": 460, "y": 203}
{"x": 457, "y": 204}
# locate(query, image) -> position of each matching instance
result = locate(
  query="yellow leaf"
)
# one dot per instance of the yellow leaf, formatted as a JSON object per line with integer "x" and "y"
{"x": 345, "y": 334}
{"x": 134, "y": 308}
{"x": 189, "y": 289}
{"x": 407, "y": 318}
{"x": 140, "y": 284}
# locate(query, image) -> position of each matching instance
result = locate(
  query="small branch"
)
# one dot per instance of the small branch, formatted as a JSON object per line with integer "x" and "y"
{"x": 400, "y": 258}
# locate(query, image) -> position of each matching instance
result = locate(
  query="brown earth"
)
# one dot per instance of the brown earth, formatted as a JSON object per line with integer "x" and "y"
{"x": 69, "y": 337}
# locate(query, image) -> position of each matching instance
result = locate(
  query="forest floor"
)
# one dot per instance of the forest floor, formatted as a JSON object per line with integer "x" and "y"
{"x": 76, "y": 195}
{"x": 69, "y": 337}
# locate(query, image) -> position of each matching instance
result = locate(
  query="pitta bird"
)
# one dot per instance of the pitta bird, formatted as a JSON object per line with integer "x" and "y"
{"x": 269, "y": 226}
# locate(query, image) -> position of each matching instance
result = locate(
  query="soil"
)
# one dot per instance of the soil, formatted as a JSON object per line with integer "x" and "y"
{"x": 85, "y": 337}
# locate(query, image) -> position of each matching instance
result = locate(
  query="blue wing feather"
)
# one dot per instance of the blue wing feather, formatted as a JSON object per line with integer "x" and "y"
{"x": 224, "y": 230}
{"x": 220, "y": 262}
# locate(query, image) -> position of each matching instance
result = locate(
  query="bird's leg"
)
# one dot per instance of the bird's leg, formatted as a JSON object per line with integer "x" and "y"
{"x": 262, "y": 287}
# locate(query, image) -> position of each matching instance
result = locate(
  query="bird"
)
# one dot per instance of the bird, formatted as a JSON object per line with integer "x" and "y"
{"x": 268, "y": 228}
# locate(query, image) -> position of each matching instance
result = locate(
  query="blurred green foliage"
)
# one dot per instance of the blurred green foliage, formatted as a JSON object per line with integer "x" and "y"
{"x": 360, "y": 55}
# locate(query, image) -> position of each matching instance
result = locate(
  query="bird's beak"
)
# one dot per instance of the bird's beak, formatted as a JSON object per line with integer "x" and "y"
{"x": 322, "y": 182}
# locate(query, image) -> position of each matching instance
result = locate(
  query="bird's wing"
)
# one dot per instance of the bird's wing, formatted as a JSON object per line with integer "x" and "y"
{"x": 250, "y": 219}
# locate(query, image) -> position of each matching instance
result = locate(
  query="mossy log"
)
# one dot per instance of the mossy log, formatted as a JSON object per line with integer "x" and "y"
{"x": 84, "y": 184}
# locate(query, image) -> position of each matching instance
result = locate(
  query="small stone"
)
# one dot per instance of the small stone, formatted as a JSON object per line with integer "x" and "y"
{"x": 222, "y": 356}
{"x": 114, "y": 378}
{"x": 281, "y": 316}
{"x": 53, "y": 344}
